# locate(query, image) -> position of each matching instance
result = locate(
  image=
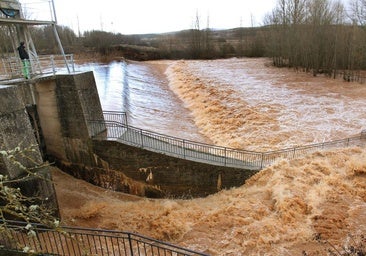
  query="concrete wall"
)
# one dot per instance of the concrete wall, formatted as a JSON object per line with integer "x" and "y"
{"x": 15, "y": 131}
{"x": 67, "y": 103}
{"x": 176, "y": 177}
{"x": 17, "y": 136}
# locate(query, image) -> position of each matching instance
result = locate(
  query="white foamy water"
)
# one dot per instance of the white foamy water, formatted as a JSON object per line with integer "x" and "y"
{"x": 246, "y": 103}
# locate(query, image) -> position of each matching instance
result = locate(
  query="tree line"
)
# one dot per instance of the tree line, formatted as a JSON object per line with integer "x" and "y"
{"x": 319, "y": 36}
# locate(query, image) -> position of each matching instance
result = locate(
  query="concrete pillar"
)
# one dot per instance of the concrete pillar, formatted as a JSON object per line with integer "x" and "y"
{"x": 66, "y": 104}
{"x": 15, "y": 132}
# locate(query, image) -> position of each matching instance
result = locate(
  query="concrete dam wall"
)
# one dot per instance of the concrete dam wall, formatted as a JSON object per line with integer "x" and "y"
{"x": 61, "y": 110}
{"x": 18, "y": 140}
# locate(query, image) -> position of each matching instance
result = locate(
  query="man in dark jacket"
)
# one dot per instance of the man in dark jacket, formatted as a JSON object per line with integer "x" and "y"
{"x": 25, "y": 60}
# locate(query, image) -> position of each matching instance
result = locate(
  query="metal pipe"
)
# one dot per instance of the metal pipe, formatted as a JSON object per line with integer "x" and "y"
{"x": 54, "y": 11}
{"x": 60, "y": 46}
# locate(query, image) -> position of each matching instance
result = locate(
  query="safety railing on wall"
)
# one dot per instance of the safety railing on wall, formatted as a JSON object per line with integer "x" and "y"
{"x": 27, "y": 237}
{"x": 56, "y": 63}
{"x": 45, "y": 64}
{"x": 115, "y": 116}
{"x": 118, "y": 129}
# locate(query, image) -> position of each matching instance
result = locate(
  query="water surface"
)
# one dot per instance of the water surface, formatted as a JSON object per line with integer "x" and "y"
{"x": 142, "y": 90}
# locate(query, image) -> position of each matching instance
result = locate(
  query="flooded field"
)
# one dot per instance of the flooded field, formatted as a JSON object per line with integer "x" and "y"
{"x": 248, "y": 104}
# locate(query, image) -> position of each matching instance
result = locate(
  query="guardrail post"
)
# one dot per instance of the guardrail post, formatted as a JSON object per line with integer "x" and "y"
{"x": 184, "y": 149}
{"x": 72, "y": 62}
{"x": 225, "y": 163}
{"x": 53, "y": 64}
{"x": 142, "y": 140}
{"x": 130, "y": 243}
{"x": 125, "y": 119}
{"x": 262, "y": 160}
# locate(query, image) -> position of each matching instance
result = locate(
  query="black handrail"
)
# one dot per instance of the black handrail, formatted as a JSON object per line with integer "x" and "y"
{"x": 23, "y": 236}
{"x": 118, "y": 128}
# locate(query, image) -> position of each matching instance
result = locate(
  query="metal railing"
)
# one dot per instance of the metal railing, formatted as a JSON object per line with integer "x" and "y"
{"x": 21, "y": 236}
{"x": 118, "y": 129}
{"x": 44, "y": 64}
{"x": 115, "y": 116}
{"x": 56, "y": 63}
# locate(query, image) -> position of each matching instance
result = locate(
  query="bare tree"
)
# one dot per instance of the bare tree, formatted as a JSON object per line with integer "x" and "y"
{"x": 358, "y": 11}
{"x": 196, "y": 38}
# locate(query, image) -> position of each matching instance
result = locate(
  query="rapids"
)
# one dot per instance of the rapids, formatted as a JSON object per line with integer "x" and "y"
{"x": 247, "y": 103}
{"x": 279, "y": 211}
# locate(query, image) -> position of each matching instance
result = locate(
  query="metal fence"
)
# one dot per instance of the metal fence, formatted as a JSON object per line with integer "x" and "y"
{"x": 118, "y": 129}
{"x": 115, "y": 116}
{"x": 22, "y": 237}
{"x": 56, "y": 63}
{"x": 44, "y": 64}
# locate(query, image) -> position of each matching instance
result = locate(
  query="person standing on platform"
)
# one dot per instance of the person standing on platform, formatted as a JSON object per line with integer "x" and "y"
{"x": 25, "y": 60}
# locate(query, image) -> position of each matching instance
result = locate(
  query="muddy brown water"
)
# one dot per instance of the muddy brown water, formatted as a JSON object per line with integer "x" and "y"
{"x": 248, "y": 104}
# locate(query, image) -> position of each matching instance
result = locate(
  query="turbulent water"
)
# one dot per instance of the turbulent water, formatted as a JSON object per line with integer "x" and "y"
{"x": 241, "y": 103}
{"x": 245, "y": 103}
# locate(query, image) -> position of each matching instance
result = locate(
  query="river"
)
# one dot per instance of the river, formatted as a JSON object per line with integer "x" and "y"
{"x": 245, "y": 103}
{"x": 240, "y": 103}
{"x": 142, "y": 90}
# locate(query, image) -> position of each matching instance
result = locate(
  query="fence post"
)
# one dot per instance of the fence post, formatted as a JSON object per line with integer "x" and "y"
{"x": 125, "y": 119}
{"x": 130, "y": 243}
{"x": 53, "y": 64}
{"x": 184, "y": 149}
{"x": 142, "y": 139}
{"x": 225, "y": 163}
{"x": 262, "y": 160}
{"x": 72, "y": 62}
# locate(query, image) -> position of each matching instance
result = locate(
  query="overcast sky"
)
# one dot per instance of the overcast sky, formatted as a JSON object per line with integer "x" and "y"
{"x": 158, "y": 16}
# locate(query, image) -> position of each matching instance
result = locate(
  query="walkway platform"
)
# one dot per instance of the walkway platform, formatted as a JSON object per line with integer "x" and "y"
{"x": 180, "y": 151}
{"x": 115, "y": 128}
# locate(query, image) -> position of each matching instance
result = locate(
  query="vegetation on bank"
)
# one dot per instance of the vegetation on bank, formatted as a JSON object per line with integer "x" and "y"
{"x": 319, "y": 36}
